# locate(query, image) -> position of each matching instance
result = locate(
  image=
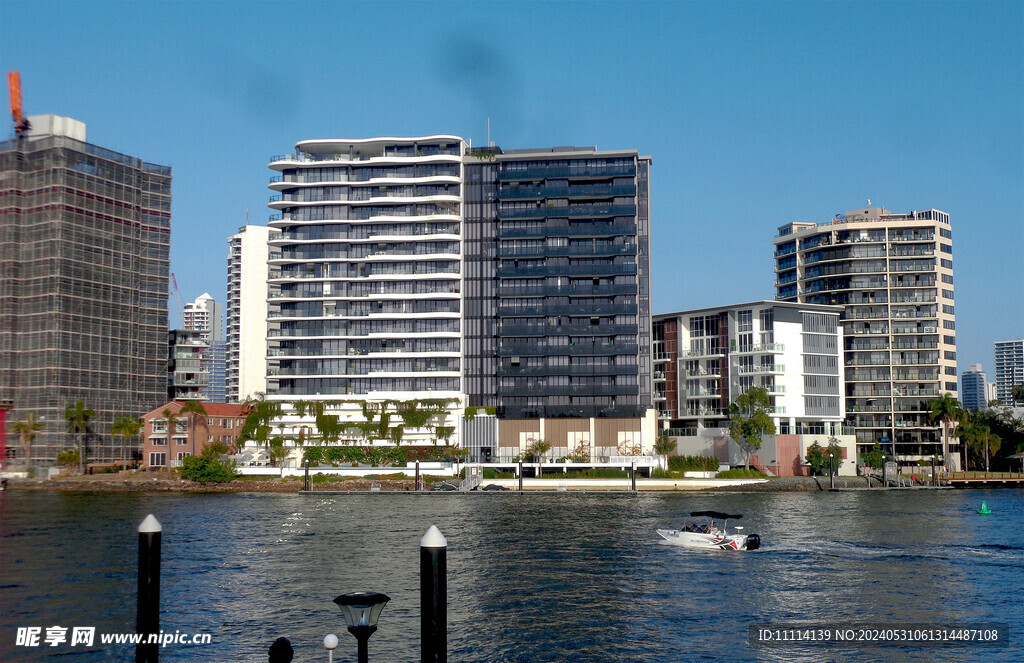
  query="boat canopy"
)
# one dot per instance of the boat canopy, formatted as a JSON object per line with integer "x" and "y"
{"x": 715, "y": 514}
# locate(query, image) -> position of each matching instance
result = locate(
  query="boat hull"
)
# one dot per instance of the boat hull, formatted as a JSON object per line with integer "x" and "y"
{"x": 709, "y": 541}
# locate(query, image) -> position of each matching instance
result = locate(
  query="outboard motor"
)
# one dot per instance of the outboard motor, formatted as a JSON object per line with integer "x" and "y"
{"x": 753, "y": 542}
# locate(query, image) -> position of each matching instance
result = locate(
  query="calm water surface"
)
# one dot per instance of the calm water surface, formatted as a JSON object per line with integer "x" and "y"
{"x": 553, "y": 577}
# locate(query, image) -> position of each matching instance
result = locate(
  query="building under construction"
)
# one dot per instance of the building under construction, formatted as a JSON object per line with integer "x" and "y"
{"x": 84, "y": 260}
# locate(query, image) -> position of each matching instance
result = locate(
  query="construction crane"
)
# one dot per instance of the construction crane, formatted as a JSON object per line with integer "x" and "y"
{"x": 21, "y": 123}
{"x": 177, "y": 295}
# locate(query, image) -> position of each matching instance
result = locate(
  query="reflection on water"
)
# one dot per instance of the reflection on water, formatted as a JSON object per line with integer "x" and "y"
{"x": 531, "y": 578}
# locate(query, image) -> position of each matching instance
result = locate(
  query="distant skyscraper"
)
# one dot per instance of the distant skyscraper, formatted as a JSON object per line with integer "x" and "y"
{"x": 973, "y": 388}
{"x": 894, "y": 275}
{"x": 84, "y": 256}
{"x": 1009, "y": 357}
{"x": 246, "y": 367}
{"x": 205, "y": 315}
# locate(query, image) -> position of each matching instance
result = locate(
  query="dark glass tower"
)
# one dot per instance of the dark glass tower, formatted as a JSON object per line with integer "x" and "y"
{"x": 558, "y": 282}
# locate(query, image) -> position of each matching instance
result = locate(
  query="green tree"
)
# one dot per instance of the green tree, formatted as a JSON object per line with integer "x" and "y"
{"x": 946, "y": 408}
{"x": 78, "y": 418}
{"x": 663, "y": 446}
{"x": 278, "y": 450}
{"x": 750, "y": 419}
{"x": 259, "y": 418}
{"x": 67, "y": 457}
{"x": 128, "y": 428}
{"x": 874, "y": 458}
{"x": 1017, "y": 393}
{"x": 194, "y": 410}
{"x": 816, "y": 458}
{"x": 26, "y": 430}
{"x": 210, "y": 467}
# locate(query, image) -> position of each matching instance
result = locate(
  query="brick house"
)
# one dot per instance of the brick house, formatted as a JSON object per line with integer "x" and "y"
{"x": 163, "y": 448}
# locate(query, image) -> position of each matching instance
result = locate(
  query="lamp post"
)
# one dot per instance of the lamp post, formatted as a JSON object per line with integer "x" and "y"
{"x": 361, "y": 611}
{"x": 330, "y": 643}
{"x": 831, "y": 474}
{"x": 885, "y": 477}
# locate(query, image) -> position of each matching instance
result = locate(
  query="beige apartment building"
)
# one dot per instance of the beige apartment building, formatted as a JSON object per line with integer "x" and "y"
{"x": 893, "y": 273}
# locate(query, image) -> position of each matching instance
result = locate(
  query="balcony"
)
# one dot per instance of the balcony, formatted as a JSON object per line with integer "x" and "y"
{"x": 582, "y": 191}
{"x": 597, "y": 250}
{"x": 566, "y": 270}
{"x": 561, "y": 172}
{"x": 573, "y": 310}
{"x": 595, "y": 349}
{"x": 762, "y": 368}
{"x": 761, "y": 348}
{"x": 595, "y": 229}
{"x": 709, "y": 352}
{"x": 577, "y": 211}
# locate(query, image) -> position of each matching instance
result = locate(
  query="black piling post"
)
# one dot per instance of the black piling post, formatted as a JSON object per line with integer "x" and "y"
{"x": 305, "y": 484}
{"x": 632, "y": 476}
{"x": 885, "y": 474}
{"x": 520, "y": 476}
{"x": 831, "y": 474}
{"x": 433, "y": 597}
{"x": 147, "y": 615}
{"x": 416, "y": 484}
{"x": 934, "y": 478}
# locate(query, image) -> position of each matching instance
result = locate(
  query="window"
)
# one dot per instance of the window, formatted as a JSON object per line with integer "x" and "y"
{"x": 951, "y": 386}
{"x": 181, "y": 441}
{"x": 182, "y": 455}
{"x": 948, "y": 294}
{"x": 946, "y": 308}
{"x": 948, "y": 264}
{"x": 947, "y": 278}
{"x": 949, "y": 340}
{"x": 159, "y": 425}
{"x": 950, "y": 355}
{"x": 946, "y": 248}
{"x": 950, "y": 370}
{"x": 948, "y": 324}
{"x": 159, "y": 441}
{"x": 157, "y": 459}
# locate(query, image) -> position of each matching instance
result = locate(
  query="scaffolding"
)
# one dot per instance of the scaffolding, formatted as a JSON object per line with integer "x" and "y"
{"x": 84, "y": 263}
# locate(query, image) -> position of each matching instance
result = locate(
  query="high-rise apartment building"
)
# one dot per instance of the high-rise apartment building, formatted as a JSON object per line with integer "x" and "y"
{"x": 974, "y": 388}
{"x": 84, "y": 257}
{"x": 893, "y": 273}
{"x": 557, "y": 278}
{"x": 365, "y": 275}
{"x": 206, "y": 316}
{"x": 246, "y": 366}
{"x": 1009, "y": 356}
{"x": 411, "y": 268}
{"x": 188, "y": 371}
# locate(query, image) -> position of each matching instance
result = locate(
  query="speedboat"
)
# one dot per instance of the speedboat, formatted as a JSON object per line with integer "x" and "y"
{"x": 710, "y": 533}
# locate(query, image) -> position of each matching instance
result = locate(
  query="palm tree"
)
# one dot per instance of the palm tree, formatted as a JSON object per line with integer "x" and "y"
{"x": 193, "y": 409}
{"x": 127, "y": 427}
{"x": 169, "y": 415}
{"x": 78, "y": 416}
{"x": 663, "y": 446}
{"x": 27, "y": 430}
{"x": 946, "y": 408}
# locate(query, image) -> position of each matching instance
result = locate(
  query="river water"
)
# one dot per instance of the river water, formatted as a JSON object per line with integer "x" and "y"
{"x": 536, "y": 577}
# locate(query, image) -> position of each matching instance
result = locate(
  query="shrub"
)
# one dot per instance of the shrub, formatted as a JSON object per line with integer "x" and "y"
{"x": 692, "y": 463}
{"x": 741, "y": 473}
{"x": 208, "y": 469}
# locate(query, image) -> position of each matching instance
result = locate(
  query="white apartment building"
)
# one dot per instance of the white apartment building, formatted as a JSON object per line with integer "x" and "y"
{"x": 1009, "y": 356}
{"x": 365, "y": 297}
{"x": 204, "y": 315}
{"x": 705, "y": 358}
{"x": 246, "y": 372}
{"x": 893, "y": 274}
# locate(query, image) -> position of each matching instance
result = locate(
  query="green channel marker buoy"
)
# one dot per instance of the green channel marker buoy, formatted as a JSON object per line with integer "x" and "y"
{"x": 984, "y": 509}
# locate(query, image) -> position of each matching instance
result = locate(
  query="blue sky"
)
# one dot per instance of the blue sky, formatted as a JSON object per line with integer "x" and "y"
{"x": 756, "y": 114}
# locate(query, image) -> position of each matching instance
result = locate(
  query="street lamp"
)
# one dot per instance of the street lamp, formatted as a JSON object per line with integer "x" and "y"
{"x": 361, "y": 611}
{"x": 831, "y": 474}
{"x": 330, "y": 642}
